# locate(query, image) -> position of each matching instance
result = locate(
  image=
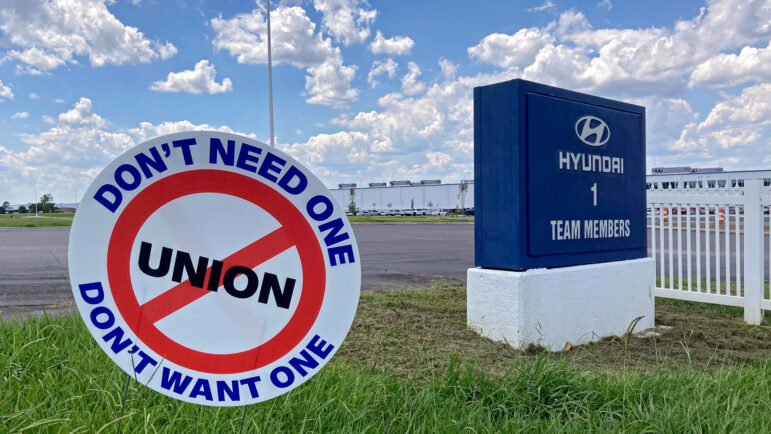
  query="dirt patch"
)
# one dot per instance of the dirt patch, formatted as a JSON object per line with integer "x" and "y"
{"x": 411, "y": 331}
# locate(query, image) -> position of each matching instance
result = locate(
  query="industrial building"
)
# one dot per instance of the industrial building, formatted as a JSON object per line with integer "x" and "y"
{"x": 433, "y": 195}
{"x": 406, "y": 195}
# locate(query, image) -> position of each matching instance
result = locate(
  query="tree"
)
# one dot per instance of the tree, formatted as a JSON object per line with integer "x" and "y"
{"x": 389, "y": 205}
{"x": 22, "y": 209}
{"x": 412, "y": 203}
{"x": 462, "y": 189}
{"x": 430, "y": 204}
{"x": 5, "y": 207}
{"x": 47, "y": 203}
{"x": 352, "y": 207}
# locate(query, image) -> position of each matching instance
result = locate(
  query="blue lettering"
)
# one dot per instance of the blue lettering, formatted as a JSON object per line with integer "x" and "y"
{"x": 116, "y": 335}
{"x": 174, "y": 381}
{"x": 325, "y": 213}
{"x": 268, "y": 165}
{"x": 146, "y": 162}
{"x": 341, "y": 253}
{"x": 143, "y": 362}
{"x": 334, "y": 236}
{"x": 307, "y": 361}
{"x": 316, "y": 345}
{"x": 111, "y": 204}
{"x": 201, "y": 388}
{"x": 252, "y": 383}
{"x": 302, "y": 181}
{"x": 215, "y": 148}
{"x": 131, "y": 184}
{"x": 282, "y": 383}
{"x": 92, "y": 299}
{"x": 185, "y": 145}
{"x": 248, "y": 153}
{"x": 232, "y": 392}
{"x": 103, "y": 325}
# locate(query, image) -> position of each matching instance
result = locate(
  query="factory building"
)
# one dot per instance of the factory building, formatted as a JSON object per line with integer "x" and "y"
{"x": 429, "y": 194}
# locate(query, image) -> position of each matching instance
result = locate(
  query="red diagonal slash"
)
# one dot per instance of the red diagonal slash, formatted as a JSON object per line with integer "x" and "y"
{"x": 295, "y": 232}
{"x": 183, "y": 294}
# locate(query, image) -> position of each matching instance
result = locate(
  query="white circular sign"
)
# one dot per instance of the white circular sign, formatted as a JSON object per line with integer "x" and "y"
{"x": 213, "y": 268}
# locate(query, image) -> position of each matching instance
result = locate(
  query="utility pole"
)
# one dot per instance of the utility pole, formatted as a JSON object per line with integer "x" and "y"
{"x": 270, "y": 83}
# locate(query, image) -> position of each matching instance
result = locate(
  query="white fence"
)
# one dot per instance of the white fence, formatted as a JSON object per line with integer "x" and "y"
{"x": 711, "y": 245}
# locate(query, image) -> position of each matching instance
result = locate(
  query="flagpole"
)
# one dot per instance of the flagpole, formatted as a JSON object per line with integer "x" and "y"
{"x": 270, "y": 82}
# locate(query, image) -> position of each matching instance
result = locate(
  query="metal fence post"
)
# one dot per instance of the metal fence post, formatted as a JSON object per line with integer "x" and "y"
{"x": 753, "y": 251}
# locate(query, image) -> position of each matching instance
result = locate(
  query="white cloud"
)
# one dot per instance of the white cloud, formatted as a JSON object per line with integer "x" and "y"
{"x": 59, "y": 101}
{"x": 735, "y": 132}
{"x": 428, "y": 132}
{"x": 427, "y": 135}
{"x": 751, "y": 108}
{"x": 5, "y": 92}
{"x": 571, "y": 21}
{"x": 43, "y": 35}
{"x": 33, "y": 95}
{"x": 198, "y": 80}
{"x": 605, "y": 4}
{"x": 438, "y": 159}
{"x": 293, "y": 38}
{"x": 449, "y": 69}
{"x": 546, "y": 5}
{"x": 627, "y": 62}
{"x": 339, "y": 151}
{"x": 345, "y": 20}
{"x": 751, "y": 64}
{"x": 20, "y": 115}
{"x": 146, "y": 130}
{"x": 387, "y": 67}
{"x": 511, "y": 51}
{"x": 79, "y": 143}
{"x": 77, "y": 139}
{"x": 294, "y": 41}
{"x": 398, "y": 45}
{"x": 411, "y": 85}
{"x": 80, "y": 116}
{"x": 329, "y": 83}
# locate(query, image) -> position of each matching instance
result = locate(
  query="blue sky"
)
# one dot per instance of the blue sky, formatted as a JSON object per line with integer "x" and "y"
{"x": 365, "y": 91}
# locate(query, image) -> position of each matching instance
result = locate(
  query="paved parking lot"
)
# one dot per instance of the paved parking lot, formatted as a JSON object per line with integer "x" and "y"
{"x": 33, "y": 261}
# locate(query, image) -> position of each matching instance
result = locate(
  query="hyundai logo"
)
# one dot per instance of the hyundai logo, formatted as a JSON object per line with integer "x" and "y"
{"x": 592, "y": 130}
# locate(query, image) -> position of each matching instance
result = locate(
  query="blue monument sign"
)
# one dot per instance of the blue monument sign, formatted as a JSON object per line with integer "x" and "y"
{"x": 559, "y": 177}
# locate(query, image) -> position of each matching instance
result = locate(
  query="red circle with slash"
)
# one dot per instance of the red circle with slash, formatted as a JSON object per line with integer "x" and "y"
{"x": 295, "y": 231}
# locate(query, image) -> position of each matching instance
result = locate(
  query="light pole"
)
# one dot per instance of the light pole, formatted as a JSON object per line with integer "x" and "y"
{"x": 270, "y": 82}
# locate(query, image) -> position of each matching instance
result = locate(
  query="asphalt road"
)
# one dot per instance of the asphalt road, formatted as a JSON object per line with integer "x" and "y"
{"x": 33, "y": 261}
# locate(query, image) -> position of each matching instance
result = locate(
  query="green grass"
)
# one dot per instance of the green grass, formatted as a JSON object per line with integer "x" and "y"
{"x": 410, "y": 364}
{"x": 411, "y": 219}
{"x": 30, "y": 221}
{"x": 713, "y": 288}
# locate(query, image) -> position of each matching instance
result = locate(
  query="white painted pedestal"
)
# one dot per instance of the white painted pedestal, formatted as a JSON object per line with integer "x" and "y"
{"x": 551, "y": 307}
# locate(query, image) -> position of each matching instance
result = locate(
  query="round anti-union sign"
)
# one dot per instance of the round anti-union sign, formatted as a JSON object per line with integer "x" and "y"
{"x": 213, "y": 268}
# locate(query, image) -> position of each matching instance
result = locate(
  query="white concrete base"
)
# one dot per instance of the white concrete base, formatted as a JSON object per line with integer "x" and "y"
{"x": 551, "y": 307}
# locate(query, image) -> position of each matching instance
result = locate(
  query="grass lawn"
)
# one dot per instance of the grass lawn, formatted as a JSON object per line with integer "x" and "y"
{"x": 30, "y": 221}
{"x": 410, "y": 364}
